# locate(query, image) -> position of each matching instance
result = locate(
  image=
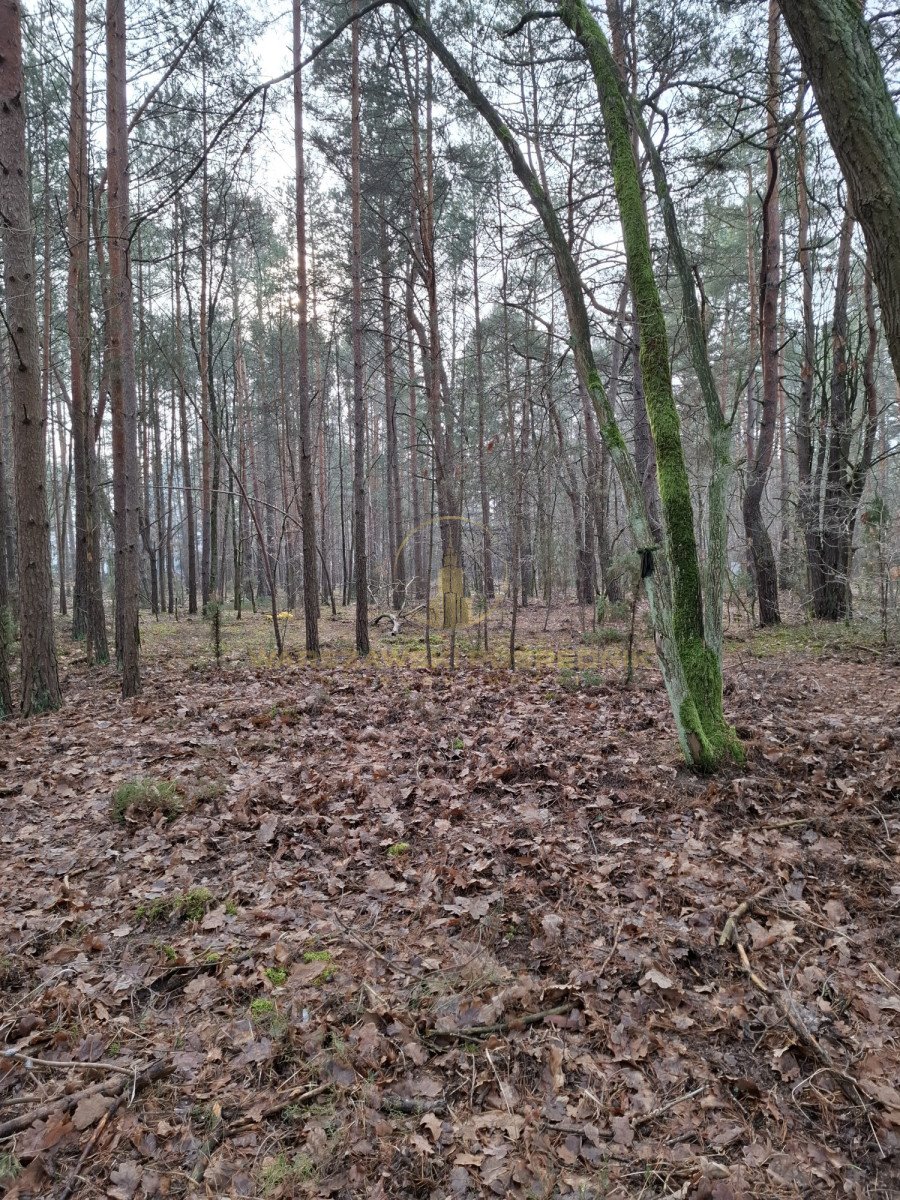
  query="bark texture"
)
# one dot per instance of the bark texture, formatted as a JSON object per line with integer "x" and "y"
{"x": 40, "y": 678}
{"x": 123, "y": 388}
{"x": 838, "y": 57}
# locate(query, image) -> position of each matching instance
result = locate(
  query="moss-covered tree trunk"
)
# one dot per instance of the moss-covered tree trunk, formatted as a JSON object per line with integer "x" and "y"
{"x": 701, "y": 721}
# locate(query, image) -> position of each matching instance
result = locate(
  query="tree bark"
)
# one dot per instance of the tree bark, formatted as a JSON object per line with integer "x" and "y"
{"x": 304, "y": 423}
{"x": 39, "y": 675}
{"x": 123, "y": 389}
{"x": 765, "y": 567}
{"x": 360, "y": 558}
{"x": 835, "y": 47}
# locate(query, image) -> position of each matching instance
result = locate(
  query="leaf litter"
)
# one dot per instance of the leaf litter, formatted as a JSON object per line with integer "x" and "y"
{"x": 530, "y": 1000}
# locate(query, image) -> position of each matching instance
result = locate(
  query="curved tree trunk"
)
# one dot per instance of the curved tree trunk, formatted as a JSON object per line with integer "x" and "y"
{"x": 836, "y": 50}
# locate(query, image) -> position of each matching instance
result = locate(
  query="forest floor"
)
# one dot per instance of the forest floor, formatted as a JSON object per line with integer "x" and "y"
{"x": 369, "y": 931}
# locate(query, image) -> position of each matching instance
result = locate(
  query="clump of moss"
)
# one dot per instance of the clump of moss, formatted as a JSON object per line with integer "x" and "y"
{"x": 322, "y": 956}
{"x": 192, "y": 905}
{"x": 398, "y": 849}
{"x": 316, "y": 956}
{"x": 195, "y": 904}
{"x": 264, "y": 1012}
{"x": 276, "y": 976}
{"x": 141, "y": 799}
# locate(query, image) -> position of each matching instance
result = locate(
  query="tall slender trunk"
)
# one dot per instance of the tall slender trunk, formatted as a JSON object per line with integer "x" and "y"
{"x": 830, "y": 601}
{"x": 487, "y": 565}
{"x": 206, "y": 450}
{"x": 123, "y": 387}
{"x": 189, "y": 518}
{"x": 418, "y": 547}
{"x": 396, "y": 547}
{"x": 39, "y": 675}
{"x": 765, "y": 567}
{"x": 360, "y": 561}
{"x": 304, "y": 422}
{"x": 807, "y": 498}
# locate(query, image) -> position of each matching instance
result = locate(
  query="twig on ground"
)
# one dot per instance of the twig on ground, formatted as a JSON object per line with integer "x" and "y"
{"x": 508, "y": 1026}
{"x": 415, "y": 1108}
{"x": 368, "y": 946}
{"x": 783, "y": 1001}
{"x": 75, "y": 1064}
{"x": 745, "y": 963}
{"x": 63, "y": 1104}
{"x": 884, "y": 979}
{"x": 295, "y": 1096}
{"x": 613, "y": 949}
{"x": 728, "y": 933}
{"x": 658, "y": 1112}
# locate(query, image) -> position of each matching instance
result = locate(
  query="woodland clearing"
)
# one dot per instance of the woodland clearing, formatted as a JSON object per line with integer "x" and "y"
{"x": 384, "y": 932}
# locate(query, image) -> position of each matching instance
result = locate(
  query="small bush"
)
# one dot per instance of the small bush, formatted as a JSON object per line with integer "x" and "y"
{"x": 141, "y": 799}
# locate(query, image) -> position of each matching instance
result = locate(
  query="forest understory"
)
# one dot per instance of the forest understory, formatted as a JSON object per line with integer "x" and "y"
{"x": 385, "y": 932}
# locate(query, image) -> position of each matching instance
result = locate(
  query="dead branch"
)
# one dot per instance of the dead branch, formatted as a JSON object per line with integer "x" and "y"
{"x": 728, "y": 933}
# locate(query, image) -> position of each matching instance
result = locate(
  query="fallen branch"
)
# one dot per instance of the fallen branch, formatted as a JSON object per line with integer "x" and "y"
{"x": 61, "y": 1104}
{"x": 76, "y": 1064}
{"x": 295, "y": 1096}
{"x": 91, "y": 1142}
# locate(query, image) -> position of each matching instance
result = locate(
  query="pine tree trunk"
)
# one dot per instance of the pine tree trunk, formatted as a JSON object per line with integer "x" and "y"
{"x": 186, "y": 482}
{"x": 396, "y": 540}
{"x": 360, "y": 562}
{"x": 487, "y": 566}
{"x": 123, "y": 388}
{"x": 765, "y": 567}
{"x": 307, "y": 498}
{"x": 39, "y": 675}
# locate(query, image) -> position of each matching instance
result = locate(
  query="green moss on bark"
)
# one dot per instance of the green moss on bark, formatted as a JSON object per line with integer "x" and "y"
{"x": 709, "y": 738}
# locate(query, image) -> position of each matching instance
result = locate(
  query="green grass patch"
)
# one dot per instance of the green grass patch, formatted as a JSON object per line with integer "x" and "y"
{"x": 141, "y": 799}
{"x": 281, "y": 1170}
